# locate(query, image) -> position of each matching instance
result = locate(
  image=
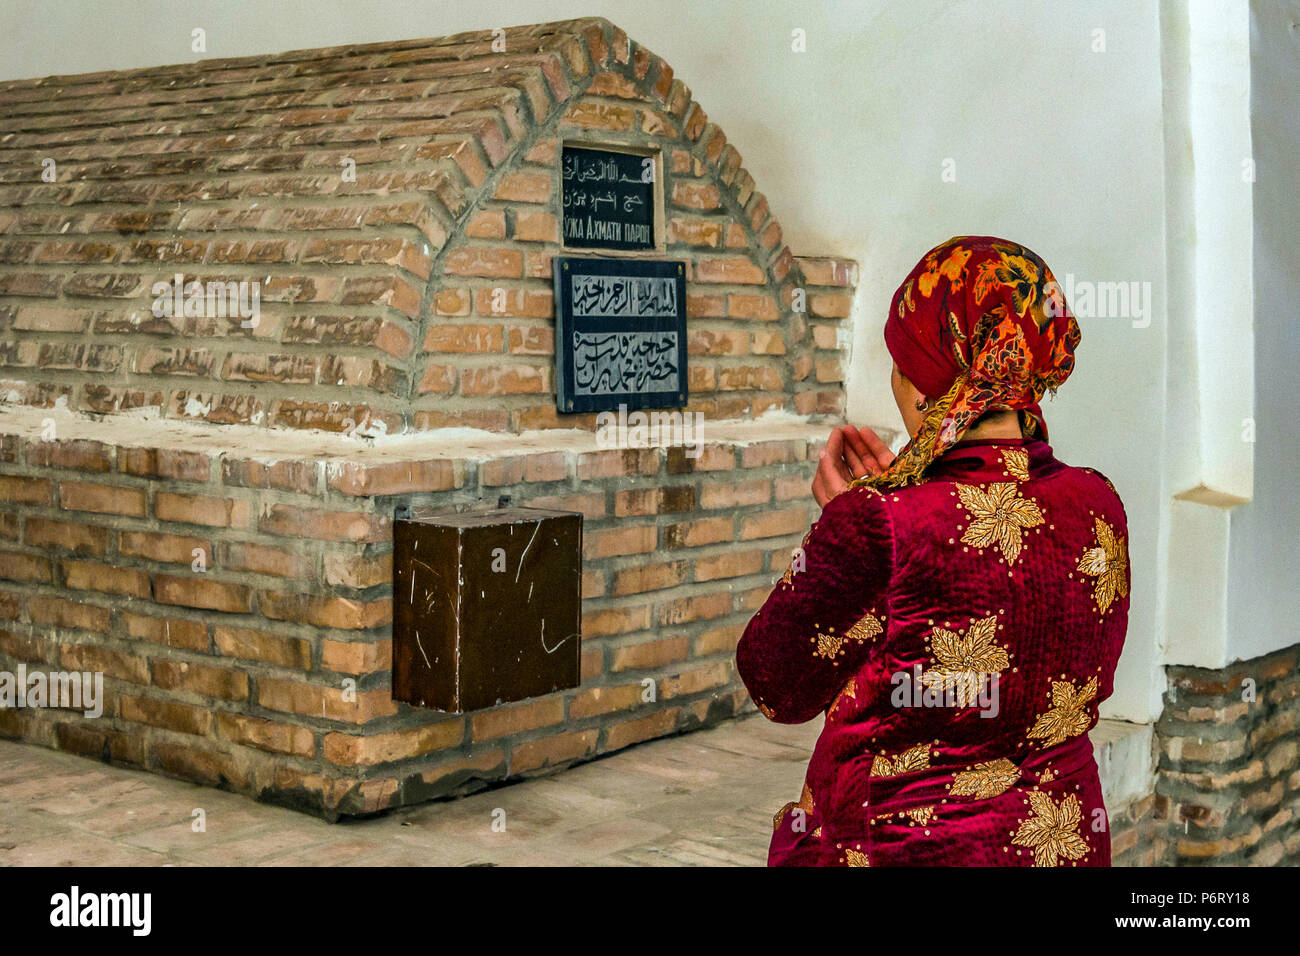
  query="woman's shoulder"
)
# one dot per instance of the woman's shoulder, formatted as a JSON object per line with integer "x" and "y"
{"x": 1107, "y": 495}
{"x": 1098, "y": 475}
{"x": 886, "y": 513}
{"x": 855, "y": 504}
{"x": 1084, "y": 488}
{"x": 1096, "y": 481}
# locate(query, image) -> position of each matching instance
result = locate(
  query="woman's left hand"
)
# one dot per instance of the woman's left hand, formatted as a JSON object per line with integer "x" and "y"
{"x": 850, "y": 453}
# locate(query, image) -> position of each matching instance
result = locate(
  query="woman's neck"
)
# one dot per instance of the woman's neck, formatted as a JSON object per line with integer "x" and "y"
{"x": 1001, "y": 426}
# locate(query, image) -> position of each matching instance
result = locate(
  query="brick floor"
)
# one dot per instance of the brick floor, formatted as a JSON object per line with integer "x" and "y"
{"x": 703, "y": 799}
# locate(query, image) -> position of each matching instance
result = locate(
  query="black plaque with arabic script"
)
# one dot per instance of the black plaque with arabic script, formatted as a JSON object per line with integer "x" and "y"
{"x": 620, "y": 334}
{"x": 608, "y": 199}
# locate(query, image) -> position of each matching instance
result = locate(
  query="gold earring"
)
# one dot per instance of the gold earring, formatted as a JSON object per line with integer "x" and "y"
{"x": 922, "y": 404}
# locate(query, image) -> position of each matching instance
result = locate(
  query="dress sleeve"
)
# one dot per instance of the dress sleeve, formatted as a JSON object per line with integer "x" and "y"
{"x": 817, "y": 626}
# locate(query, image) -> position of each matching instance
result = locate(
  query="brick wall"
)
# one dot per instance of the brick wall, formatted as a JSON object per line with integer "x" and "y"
{"x": 1230, "y": 766}
{"x": 397, "y": 304}
{"x": 1226, "y": 787}
{"x": 236, "y": 675}
{"x": 1139, "y": 833}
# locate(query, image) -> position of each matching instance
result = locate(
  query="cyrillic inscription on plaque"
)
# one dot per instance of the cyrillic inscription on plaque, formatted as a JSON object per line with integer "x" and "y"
{"x": 608, "y": 199}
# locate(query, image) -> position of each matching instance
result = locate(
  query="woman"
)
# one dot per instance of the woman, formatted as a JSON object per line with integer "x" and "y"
{"x": 958, "y": 610}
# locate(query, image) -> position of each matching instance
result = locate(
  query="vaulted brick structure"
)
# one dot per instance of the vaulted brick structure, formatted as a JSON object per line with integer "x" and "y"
{"x": 200, "y": 505}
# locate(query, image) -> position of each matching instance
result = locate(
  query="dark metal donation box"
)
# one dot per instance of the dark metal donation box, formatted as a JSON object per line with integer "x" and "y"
{"x": 486, "y": 607}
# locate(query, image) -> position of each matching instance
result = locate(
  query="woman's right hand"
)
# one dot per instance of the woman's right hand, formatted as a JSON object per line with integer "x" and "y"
{"x": 850, "y": 452}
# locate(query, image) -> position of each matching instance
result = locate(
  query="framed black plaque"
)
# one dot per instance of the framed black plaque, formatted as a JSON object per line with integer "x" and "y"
{"x": 620, "y": 334}
{"x": 608, "y": 199}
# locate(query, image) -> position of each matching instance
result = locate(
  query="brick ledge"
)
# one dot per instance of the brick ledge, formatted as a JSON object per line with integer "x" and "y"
{"x": 271, "y": 445}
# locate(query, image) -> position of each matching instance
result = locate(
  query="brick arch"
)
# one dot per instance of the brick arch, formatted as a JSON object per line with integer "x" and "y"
{"x": 756, "y": 355}
{"x": 231, "y": 170}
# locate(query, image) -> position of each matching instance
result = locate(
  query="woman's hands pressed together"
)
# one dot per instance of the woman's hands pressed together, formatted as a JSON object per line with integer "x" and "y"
{"x": 850, "y": 452}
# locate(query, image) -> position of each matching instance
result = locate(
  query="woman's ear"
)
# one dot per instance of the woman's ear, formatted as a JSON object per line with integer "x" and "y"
{"x": 906, "y": 397}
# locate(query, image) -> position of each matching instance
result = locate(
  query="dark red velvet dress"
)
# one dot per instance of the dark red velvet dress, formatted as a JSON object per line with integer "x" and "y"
{"x": 958, "y": 634}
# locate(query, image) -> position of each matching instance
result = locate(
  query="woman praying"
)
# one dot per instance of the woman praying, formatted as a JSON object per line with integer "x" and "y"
{"x": 957, "y": 611}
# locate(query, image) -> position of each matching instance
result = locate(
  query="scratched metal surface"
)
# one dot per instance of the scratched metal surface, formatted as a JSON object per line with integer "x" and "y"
{"x": 487, "y": 607}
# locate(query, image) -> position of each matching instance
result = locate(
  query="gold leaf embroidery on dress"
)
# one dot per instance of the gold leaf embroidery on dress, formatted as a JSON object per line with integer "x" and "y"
{"x": 765, "y": 710}
{"x": 1016, "y": 462}
{"x": 921, "y": 815}
{"x": 1052, "y": 830}
{"x": 848, "y": 692}
{"x": 965, "y": 660}
{"x": 855, "y": 858}
{"x": 828, "y": 645}
{"x": 1108, "y": 563}
{"x": 984, "y": 780}
{"x": 805, "y": 804}
{"x": 865, "y": 629}
{"x": 914, "y": 758}
{"x": 1068, "y": 716}
{"x": 1047, "y": 776}
{"x": 806, "y": 800}
{"x": 997, "y": 517}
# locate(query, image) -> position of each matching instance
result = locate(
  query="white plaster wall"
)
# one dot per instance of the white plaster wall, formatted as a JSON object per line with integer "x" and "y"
{"x": 1055, "y": 143}
{"x": 1208, "y": 468}
{"x": 1220, "y": 124}
{"x": 1263, "y": 570}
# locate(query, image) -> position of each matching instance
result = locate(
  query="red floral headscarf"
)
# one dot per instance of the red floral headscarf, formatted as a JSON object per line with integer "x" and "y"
{"x": 981, "y": 322}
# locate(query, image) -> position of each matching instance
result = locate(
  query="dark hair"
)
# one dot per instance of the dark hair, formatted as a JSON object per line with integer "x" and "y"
{"x": 992, "y": 413}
